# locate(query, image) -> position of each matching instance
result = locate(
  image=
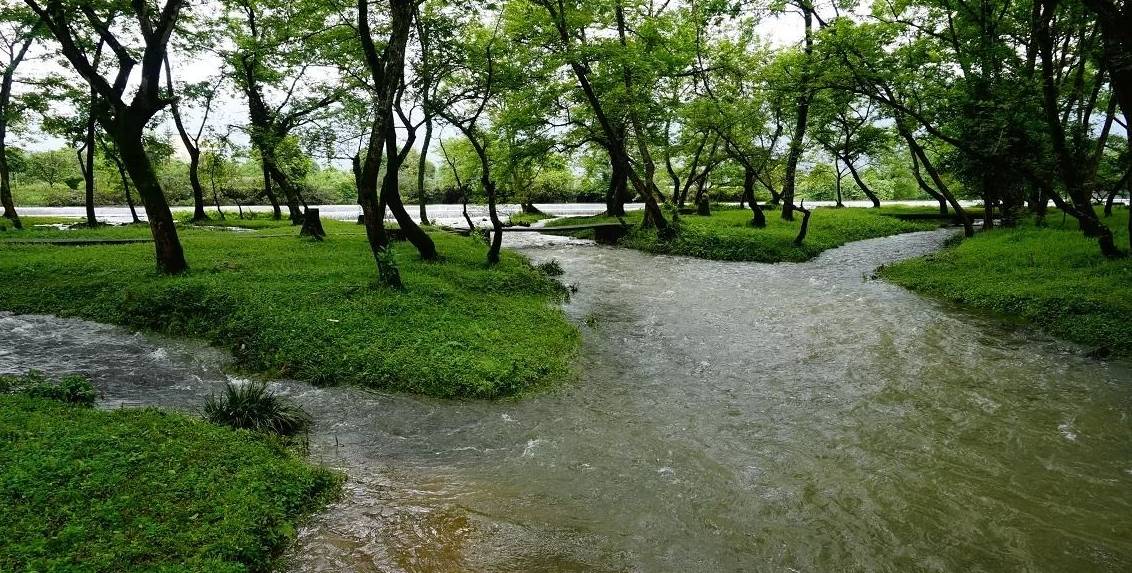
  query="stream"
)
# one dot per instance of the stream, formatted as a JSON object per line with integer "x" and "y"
{"x": 725, "y": 417}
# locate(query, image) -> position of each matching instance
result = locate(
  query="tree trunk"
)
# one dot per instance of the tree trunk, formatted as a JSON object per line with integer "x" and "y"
{"x": 758, "y": 218}
{"x": 805, "y": 224}
{"x": 865, "y": 188}
{"x": 194, "y": 181}
{"x": 795, "y": 152}
{"x": 837, "y": 182}
{"x": 126, "y": 189}
{"x": 88, "y": 167}
{"x": 391, "y": 197}
{"x": 276, "y": 212}
{"x": 290, "y": 195}
{"x": 928, "y": 188}
{"x": 5, "y": 181}
{"x": 922, "y": 157}
{"x": 618, "y": 188}
{"x": 312, "y": 225}
{"x": 170, "y": 256}
{"x": 421, "y": 197}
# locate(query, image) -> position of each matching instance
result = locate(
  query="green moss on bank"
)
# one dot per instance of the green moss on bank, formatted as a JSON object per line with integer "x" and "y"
{"x": 1053, "y": 277}
{"x": 133, "y": 490}
{"x": 309, "y": 310}
{"x": 727, "y": 235}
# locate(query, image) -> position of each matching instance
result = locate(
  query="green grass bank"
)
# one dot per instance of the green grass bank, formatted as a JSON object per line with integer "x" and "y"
{"x": 144, "y": 490}
{"x": 1053, "y": 277}
{"x": 727, "y": 235}
{"x": 309, "y": 310}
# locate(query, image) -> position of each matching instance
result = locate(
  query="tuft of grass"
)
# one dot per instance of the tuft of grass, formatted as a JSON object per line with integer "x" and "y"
{"x": 251, "y": 406}
{"x": 145, "y": 490}
{"x": 727, "y": 235}
{"x": 551, "y": 268}
{"x": 312, "y": 310}
{"x": 72, "y": 389}
{"x": 1051, "y": 276}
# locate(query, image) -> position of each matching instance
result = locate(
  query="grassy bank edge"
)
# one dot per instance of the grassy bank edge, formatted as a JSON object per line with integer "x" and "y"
{"x": 1053, "y": 278}
{"x": 502, "y": 333}
{"x": 146, "y": 489}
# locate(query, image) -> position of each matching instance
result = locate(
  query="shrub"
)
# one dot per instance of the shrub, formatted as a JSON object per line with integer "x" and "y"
{"x": 251, "y": 406}
{"x": 551, "y": 268}
{"x": 73, "y": 389}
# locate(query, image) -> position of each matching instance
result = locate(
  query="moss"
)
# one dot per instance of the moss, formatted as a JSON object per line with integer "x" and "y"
{"x": 727, "y": 235}
{"x": 1051, "y": 276}
{"x": 129, "y": 490}
{"x": 311, "y": 311}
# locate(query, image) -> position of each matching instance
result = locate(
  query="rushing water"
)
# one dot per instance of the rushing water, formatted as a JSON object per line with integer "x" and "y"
{"x": 726, "y": 417}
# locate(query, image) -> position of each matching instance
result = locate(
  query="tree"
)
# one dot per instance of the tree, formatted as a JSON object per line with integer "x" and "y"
{"x": 19, "y": 29}
{"x": 203, "y": 94}
{"x": 124, "y": 121}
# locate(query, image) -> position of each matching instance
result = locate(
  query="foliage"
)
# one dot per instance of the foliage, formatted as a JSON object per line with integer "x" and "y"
{"x": 309, "y": 311}
{"x": 71, "y": 389}
{"x": 251, "y": 406}
{"x": 1052, "y": 277}
{"x": 131, "y": 490}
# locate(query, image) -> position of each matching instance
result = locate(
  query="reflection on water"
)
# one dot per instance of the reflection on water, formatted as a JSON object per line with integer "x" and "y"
{"x": 727, "y": 416}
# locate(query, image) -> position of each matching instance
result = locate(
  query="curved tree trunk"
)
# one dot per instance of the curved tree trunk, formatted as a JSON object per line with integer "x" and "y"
{"x": 861, "y": 183}
{"x": 758, "y": 218}
{"x": 126, "y": 189}
{"x": 170, "y": 256}
{"x": 421, "y": 197}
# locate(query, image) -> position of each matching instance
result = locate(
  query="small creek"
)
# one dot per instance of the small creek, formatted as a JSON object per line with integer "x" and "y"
{"x": 727, "y": 417}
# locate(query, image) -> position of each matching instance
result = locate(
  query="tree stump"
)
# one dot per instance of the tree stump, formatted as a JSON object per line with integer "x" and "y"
{"x": 312, "y": 225}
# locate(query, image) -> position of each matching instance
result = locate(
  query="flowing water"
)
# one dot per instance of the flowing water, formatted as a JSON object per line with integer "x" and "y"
{"x": 726, "y": 417}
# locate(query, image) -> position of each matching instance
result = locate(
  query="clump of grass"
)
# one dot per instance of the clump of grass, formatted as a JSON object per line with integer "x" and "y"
{"x": 551, "y": 268}
{"x": 72, "y": 389}
{"x": 252, "y": 406}
{"x": 727, "y": 236}
{"x": 145, "y": 490}
{"x": 1051, "y": 276}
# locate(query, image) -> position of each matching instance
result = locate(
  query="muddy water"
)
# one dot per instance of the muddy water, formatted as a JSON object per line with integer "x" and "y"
{"x": 726, "y": 417}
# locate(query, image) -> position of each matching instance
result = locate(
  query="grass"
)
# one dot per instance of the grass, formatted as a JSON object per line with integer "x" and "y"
{"x": 310, "y": 310}
{"x": 521, "y": 218}
{"x": 726, "y": 235}
{"x": 132, "y": 490}
{"x": 1053, "y": 277}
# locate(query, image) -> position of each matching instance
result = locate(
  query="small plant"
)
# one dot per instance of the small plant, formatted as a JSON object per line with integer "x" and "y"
{"x": 551, "y": 268}
{"x": 251, "y": 406}
{"x": 73, "y": 389}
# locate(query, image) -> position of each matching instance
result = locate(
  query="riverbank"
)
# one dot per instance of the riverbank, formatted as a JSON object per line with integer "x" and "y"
{"x": 310, "y": 310}
{"x": 726, "y": 235}
{"x": 144, "y": 489}
{"x": 1053, "y": 277}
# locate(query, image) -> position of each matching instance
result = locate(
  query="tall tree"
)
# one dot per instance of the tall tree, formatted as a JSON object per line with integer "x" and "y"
{"x": 125, "y": 121}
{"x": 18, "y": 30}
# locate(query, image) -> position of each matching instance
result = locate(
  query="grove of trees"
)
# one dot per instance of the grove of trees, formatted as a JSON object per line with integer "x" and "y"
{"x": 1021, "y": 104}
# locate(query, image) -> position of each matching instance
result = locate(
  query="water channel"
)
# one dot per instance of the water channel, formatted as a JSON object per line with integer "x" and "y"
{"x": 725, "y": 417}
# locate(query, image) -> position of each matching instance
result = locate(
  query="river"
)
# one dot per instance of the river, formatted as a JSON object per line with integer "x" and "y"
{"x": 725, "y": 417}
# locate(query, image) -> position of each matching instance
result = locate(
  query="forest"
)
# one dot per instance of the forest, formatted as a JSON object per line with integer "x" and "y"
{"x": 565, "y": 284}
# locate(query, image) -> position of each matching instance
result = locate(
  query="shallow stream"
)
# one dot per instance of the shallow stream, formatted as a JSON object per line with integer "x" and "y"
{"x": 726, "y": 417}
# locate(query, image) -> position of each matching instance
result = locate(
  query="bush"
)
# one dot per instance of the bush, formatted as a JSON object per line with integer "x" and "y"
{"x": 73, "y": 389}
{"x": 551, "y": 268}
{"x": 251, "y": 406}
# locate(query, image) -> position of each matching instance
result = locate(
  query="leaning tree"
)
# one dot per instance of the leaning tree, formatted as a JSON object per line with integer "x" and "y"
{"x": 127, "y": 29}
